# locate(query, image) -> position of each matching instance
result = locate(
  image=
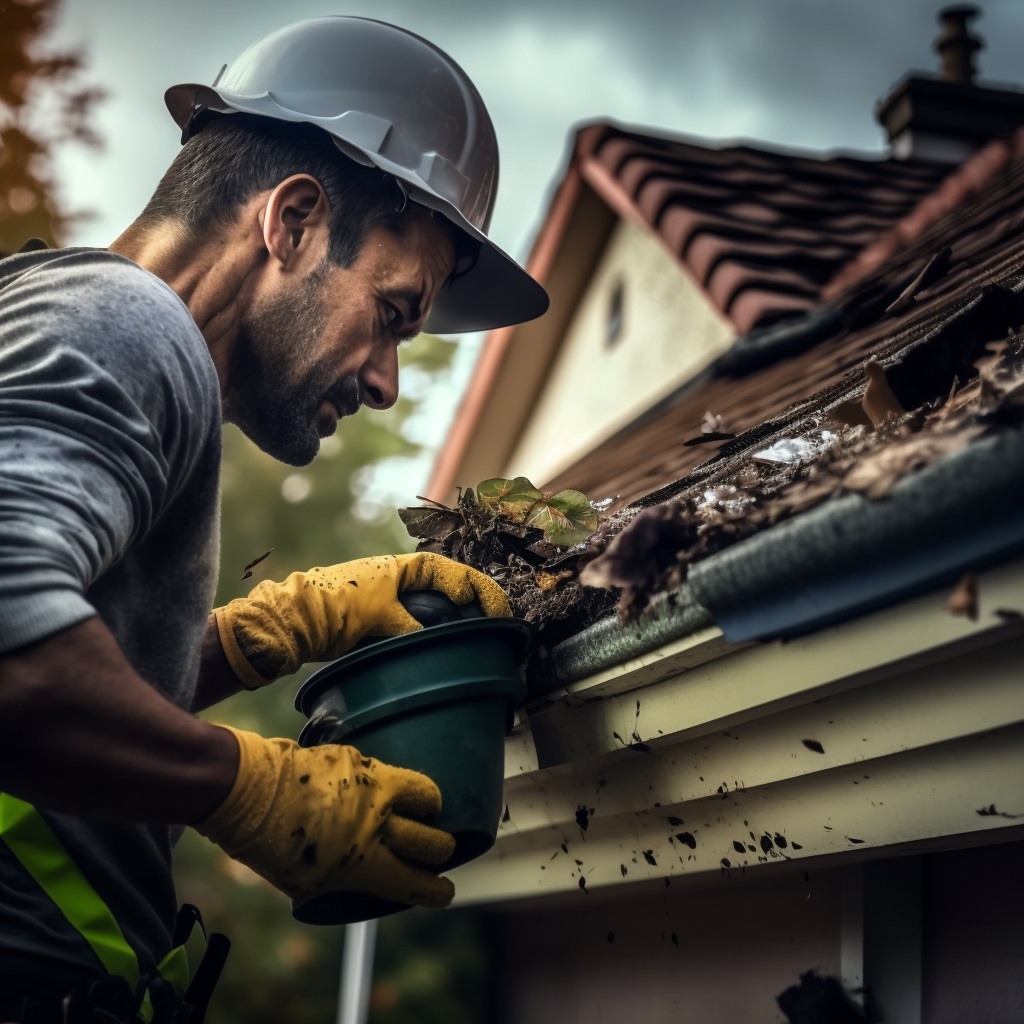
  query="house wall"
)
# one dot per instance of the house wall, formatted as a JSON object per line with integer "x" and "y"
{"x": 668, "y": 332}
{"x": 611, "y": 959}
{"x": 739, "y": 943}
{"x": 972, "y": 936}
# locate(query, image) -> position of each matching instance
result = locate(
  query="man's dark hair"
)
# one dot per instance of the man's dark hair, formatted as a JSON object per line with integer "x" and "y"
{"x": 233, "y": 157}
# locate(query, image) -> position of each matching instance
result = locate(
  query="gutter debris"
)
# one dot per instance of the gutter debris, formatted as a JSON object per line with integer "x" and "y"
{"x": 656, "y": 548}
{"x": 953, "y": 398}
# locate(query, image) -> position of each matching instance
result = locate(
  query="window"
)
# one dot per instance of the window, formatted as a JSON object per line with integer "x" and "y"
{"x": 614, "y": 323}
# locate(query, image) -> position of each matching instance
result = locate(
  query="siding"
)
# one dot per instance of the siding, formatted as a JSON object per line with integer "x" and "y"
{"x": 668, "y": 332}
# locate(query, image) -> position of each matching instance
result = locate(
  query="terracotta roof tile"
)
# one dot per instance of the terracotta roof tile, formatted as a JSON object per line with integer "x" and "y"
{"x": 727, "y": 212}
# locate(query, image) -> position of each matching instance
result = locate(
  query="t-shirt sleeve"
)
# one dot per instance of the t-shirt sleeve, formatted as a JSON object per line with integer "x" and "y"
{"x": 107, "y": 399}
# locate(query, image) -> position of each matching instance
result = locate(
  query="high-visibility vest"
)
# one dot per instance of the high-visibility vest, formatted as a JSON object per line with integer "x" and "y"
{"x": 33, "y": 843}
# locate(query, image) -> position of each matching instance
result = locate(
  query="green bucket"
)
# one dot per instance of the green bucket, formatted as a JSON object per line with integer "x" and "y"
{"x": 439, "y": 701}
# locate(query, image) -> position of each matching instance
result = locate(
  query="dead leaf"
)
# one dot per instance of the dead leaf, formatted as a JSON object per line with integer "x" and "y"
{"x": 987, "y": 365}
{"x": 960, "y": 399}
{"x": 964, "y": 599}
{"x": 748, "y": 476}
{"x": 800, "y": 496}
{"x": 880, "y": 402}
{"x": 645, "y": 557}
{"x": 878, "y": 471}
{"x": 850, "y": 414}
{"x": 550, "y": 580}
{"x": 431, "y": 523}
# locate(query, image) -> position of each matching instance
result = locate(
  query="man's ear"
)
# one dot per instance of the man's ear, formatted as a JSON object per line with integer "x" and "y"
{"x": 296, "y": 220}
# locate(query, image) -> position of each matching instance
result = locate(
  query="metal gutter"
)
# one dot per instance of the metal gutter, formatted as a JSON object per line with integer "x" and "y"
{"x": 609, "y": 642}
{"x": 844, "y": 558}
{"x": 851, "y": 554}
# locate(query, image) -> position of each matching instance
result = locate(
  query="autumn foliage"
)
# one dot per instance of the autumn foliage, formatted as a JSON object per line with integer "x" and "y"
{"x": 43, "y": 104}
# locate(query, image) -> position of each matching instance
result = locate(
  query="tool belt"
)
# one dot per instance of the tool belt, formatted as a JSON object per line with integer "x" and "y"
{"x": 34, "y": 991}
{"x": 38, "y": 991}
{"x": 176, "y": 993}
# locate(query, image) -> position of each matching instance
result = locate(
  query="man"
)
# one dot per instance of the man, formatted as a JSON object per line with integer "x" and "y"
{"x": 331, "y": 198}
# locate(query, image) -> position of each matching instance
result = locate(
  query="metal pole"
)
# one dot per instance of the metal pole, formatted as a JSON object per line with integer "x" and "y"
{"x": 356, "y": 972}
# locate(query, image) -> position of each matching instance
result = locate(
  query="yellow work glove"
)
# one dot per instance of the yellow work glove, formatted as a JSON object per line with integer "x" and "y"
{"x": 326, "y": 819}
{"x": 320, "y": 614}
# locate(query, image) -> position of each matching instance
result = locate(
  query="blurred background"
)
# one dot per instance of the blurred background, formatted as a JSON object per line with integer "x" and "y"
{"x": 85, "y": 137}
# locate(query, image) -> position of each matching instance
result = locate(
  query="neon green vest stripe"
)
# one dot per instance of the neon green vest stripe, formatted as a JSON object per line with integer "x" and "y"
{"x": 40, "y": 852}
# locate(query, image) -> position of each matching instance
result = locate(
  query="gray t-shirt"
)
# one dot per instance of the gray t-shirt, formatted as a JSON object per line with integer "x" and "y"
{"x": 109, "y": 477}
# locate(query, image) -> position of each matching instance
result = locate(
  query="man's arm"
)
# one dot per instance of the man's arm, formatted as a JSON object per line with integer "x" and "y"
{"x": 82, "y": 733}
{"x": 217, "y": 681}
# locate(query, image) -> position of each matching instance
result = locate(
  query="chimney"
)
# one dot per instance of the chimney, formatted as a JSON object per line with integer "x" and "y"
{"x": 956, "y": 47}
{"x": 946, "y": 117}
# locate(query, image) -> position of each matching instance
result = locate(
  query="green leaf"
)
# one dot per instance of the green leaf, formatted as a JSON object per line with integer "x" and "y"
{"x": 509, "y": 498}
{"x": 430, "y": 523}
{"x": 566, "y": 518}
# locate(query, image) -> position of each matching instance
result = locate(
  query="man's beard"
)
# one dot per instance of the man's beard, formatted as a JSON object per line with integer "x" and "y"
{"x": 273, "y": 394}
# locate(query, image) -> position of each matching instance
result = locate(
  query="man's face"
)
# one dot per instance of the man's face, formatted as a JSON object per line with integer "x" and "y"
{"x": 308, "y": 356}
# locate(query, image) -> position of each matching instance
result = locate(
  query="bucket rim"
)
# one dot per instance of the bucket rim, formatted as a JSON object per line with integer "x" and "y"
{"x": 321, "y": 679}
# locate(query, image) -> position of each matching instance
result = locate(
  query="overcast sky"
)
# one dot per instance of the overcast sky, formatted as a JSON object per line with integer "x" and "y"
{"x": 790, "y": 73}
{"x": 802, "y": 73}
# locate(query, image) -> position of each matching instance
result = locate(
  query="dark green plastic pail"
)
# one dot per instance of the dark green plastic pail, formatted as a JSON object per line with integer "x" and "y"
{"x": 439, "y": 701}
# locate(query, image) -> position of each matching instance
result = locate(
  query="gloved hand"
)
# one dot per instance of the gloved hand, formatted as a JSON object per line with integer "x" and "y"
{"x": 326, "y": 819}
{"x": 320, "y": 614}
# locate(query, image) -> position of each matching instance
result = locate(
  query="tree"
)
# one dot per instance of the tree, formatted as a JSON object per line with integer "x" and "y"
{"x": 43, "y": 104}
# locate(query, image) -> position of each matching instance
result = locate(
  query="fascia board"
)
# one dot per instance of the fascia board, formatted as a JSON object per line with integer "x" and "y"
{"x": 750, "y": 681}
{"x": 926, "y": 705}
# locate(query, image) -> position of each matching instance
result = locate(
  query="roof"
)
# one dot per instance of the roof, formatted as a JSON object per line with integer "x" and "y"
{"x": 976, "y": 213}
{"x": 761, "y": 231}
{"x": 869, "y": 513}
{"x": 905, "y": 385}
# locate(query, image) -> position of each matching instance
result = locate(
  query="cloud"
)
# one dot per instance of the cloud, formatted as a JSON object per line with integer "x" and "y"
{"x": 786, "y": 72}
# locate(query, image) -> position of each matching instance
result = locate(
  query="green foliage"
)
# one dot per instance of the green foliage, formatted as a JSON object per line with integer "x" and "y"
{"x": 566, "y": 517}
{"x": 280, "y": 970}
{"x": 513, "y": 512}
{"x": 528, "y": 542}
{"x": 512, "y": 499}
{"x": 432, "y": 968}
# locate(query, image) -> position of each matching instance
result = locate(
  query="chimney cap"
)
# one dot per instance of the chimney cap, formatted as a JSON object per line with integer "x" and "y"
{"x": 955, "y": 45}
{"x": 957, "y": 12}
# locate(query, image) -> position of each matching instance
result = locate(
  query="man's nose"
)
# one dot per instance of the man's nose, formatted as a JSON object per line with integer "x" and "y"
{"x": 379, "y": 378}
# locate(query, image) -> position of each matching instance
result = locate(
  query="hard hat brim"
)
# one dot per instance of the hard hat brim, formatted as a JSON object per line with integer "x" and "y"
{"x": 494, "y": 292}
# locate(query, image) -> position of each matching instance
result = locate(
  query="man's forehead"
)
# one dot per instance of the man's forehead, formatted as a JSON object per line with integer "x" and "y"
{"x": 423, "y": 256}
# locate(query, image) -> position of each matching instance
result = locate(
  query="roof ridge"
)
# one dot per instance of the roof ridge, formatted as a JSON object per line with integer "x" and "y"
{"x": 967, "y": 180}
{"x": 681, "y": 190}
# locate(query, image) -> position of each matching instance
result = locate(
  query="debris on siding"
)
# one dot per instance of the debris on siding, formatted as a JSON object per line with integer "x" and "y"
{"x": 991, "y": 811}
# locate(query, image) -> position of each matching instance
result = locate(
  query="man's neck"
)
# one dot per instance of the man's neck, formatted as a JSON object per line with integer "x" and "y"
{"x": 211, "y": 273}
